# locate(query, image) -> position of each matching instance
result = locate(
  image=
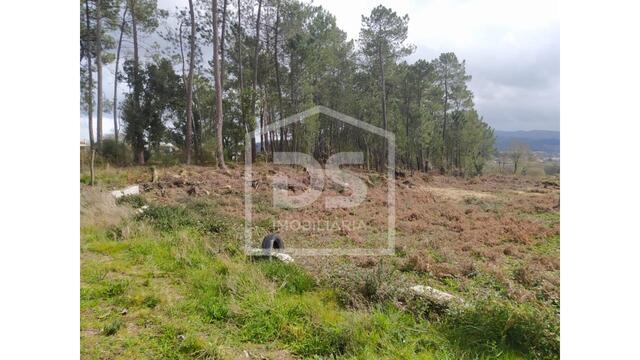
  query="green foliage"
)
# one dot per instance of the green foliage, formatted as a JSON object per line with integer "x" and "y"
{"x": 289, "y": 277}
{"x": 364, "y": 288}
{"x": 427, "y": 104}
{"x": 182, "y": 293}
{"x": 200, "y": 216}
{"x": 151, "y": 301}
{"x": 294, "y": 320}
{"x": 137, "y": 201}
{"x": 85, "y": 179}
{"x": 117, "y": 153}
{"x": 492, "y": 325}
{"x": 112, "y": 327}
{"x": 159, "y": 96}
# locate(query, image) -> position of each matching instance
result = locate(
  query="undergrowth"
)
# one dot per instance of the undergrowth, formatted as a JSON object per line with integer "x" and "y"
{"x": 174, "y": 284}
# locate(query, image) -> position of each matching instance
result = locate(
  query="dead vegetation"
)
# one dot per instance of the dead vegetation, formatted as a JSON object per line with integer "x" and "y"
{"x": 448, "y": 229}
{"x": 98, "y": 207}
{"x": 484, "y": 238}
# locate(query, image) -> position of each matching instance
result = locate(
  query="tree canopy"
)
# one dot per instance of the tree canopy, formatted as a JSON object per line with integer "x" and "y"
{"x": 277, "y": 58}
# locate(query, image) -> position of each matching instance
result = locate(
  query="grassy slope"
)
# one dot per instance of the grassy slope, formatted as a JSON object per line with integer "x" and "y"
{"x": 189, "y": 292}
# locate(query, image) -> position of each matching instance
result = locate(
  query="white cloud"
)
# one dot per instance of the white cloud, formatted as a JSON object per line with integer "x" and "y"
{"x": 512, "y": 50}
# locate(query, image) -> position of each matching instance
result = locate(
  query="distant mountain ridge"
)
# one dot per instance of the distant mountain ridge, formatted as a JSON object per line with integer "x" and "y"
{"x": 538, "y": 140}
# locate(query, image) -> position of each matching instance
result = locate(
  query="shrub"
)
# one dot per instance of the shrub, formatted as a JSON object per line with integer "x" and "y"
{"x": 198, "y": 216}
{"x": 116, "y": 152}
{"x": 362, "y": 288}
{"x": 115, "y": 288}
{"x": 167, "y": 218}
{"x": 137, "y": 201}
{"x": 150, "y": 301}
{"x": 112, "y": 328}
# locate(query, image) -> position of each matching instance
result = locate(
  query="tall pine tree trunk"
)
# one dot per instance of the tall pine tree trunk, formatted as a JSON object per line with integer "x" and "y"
{"x": 277, "y": 64}
{"x": 115, "y": 76}
{"x": 139, "y": 146}
{"x": 443, "y": 167}
{"x": 218, "y": 86}
{"x": 383, "y": 156}
{"x": 223, "y": 32}
{"x": 90, "y": 72}
{"x": 241, "y": 79}
{"x": 99, "y": 71}
{"x": 189, "y": 84}
{"x": 255, "y": 75}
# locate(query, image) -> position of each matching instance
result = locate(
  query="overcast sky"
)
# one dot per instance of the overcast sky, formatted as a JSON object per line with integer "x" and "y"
{"x": 512, "y": 49}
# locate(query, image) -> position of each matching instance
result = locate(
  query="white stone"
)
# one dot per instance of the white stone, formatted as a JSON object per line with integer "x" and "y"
{"x": 285, "y": 258}
{"x": 142, "y": 209}
{"x": 131, "y": 190}
{"x": 435, "y": 294}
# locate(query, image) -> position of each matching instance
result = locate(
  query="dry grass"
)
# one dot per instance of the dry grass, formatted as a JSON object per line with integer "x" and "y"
{"x": 98, "y": 207}
{"x": 486, "y": 238}
{"x": 450, "y": 229}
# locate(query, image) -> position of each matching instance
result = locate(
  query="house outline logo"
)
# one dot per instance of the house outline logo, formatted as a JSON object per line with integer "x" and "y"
{"x": 299, "y": 117}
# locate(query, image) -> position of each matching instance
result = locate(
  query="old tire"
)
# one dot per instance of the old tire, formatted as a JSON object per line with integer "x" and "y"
{"x": 270, "y": 242}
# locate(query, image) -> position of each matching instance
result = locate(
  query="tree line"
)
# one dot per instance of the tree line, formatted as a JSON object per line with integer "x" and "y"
{"x": 271, "y": 59}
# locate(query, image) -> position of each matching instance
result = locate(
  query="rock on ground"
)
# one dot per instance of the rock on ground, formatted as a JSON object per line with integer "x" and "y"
{"x": 435, "y": 295}
{"x": 285, "y": 258}
{"x": 131, "y": 190}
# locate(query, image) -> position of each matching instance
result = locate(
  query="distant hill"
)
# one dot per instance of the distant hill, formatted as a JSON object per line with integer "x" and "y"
{"x": 538, "y": 140}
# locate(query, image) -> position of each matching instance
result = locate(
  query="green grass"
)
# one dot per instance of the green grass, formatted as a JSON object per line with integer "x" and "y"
{"x": 548, "y": 246}
{"x": 137, "y": 201}
{"x": 106, "y": 177}
{"x": 290, "y": 278}
{"x": 176, "y": 285}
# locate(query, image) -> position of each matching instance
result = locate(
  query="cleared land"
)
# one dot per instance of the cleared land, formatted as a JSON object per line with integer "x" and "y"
{"x": 172, "y": 281}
